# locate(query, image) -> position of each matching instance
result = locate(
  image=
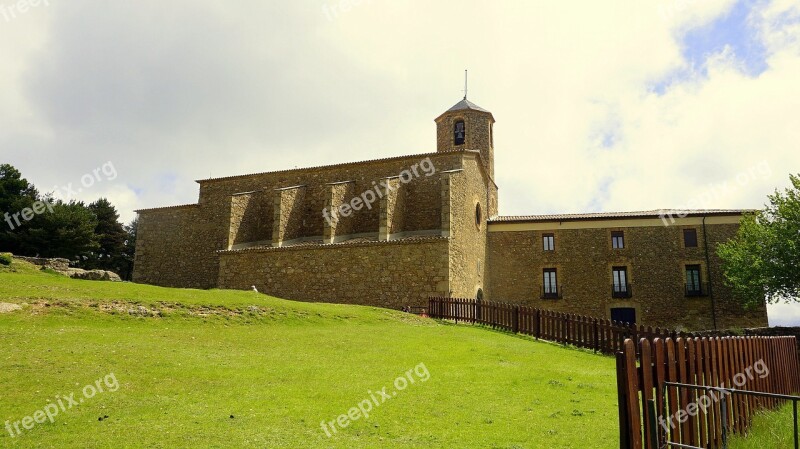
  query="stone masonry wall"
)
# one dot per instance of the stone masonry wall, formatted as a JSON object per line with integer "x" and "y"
{"x": 288, "y": 214}
{"x": 392, "y": 209}
{"x": 468, "y": 236}
{"x": 654, "y": 256}
{"x": 425, "y": 215}
{"x": 386, "y": 274}
{"x": 478, "y": 134}
{"x": 340, "y": 192}
{"x": 175, "y": 246}
{"x": 251, "y": 217}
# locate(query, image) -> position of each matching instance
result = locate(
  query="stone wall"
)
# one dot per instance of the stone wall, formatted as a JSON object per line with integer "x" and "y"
{"x": 288, "y": 214}
{"x": 338, "y": 226}
{"x": 387, "y": 274}
{"x": 392, "y": 207}
{"x": 479, "y": 134}
{"x": 176, "y": 246}
{"x": 655, "y": 258}
{"x": 468, "y": 193}
{"x": 251, "y": 218}
{"x": 361, "y": 177}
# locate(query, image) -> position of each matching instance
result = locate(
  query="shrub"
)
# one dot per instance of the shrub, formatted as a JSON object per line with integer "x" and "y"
{"x": 5, "y": 259}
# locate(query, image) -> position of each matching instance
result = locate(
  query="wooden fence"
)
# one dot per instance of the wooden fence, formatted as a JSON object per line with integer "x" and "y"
{"x": 660, "y": 357}
{"x": 597, "y": 334}
{"x": 695, "y": 417}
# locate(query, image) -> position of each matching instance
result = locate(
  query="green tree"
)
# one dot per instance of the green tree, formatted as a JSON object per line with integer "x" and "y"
{"x": 16, "y": 194}
{"x": 110, "y": 254}
{"x": 130, "y": 249}
{"x": 763, "y": 261}
{"x": 67, "y": 232}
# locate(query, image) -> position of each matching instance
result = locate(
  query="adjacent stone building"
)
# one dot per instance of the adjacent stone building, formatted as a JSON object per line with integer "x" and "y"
{"x": 393, "y": 232}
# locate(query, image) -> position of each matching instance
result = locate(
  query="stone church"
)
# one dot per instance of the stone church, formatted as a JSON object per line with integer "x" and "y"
{"x": 393, "y": 232}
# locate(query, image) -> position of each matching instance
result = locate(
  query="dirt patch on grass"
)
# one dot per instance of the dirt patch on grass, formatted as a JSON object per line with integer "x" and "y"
{"x": 8, "y": 308}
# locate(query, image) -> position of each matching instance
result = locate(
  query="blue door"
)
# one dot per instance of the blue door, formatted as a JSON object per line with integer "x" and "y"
{"x": 623, "y": 314}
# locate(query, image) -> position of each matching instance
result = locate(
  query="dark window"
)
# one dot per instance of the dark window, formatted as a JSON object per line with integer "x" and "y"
{"x": 617, "y": 239}
{"x": 690, "y": 238}
{"x": 623, "y": 315}
{"x": 620, "y": 287}
{"x": 693, "y": 285}
{"x": 550, "y": 283}
{"x": 459, "y": 133}
{"x": 478, "y": 215}
{"x": 549, "y": 242}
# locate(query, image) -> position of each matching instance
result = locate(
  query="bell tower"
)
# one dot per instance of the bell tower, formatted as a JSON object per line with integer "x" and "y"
{"x": 467, "y": 126}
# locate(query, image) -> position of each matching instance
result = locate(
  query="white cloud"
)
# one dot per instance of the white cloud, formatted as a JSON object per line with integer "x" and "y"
{"x": 784, "y": 314}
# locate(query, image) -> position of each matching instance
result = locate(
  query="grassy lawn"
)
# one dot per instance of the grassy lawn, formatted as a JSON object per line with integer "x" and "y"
{"x": 238, "y": 369}
{"x": 772, "y": 430}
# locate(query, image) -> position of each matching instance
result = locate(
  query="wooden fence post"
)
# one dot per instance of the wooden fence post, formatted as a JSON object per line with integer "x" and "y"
{"x": 624, "y": 420}
{"x": 596, "y": 336}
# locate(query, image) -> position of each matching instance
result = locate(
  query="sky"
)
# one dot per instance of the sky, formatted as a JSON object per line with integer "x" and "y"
{"x": 600, "y": 106}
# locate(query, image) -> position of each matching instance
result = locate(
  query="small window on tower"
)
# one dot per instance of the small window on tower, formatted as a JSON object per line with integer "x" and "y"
{"x": 459, "y": 133}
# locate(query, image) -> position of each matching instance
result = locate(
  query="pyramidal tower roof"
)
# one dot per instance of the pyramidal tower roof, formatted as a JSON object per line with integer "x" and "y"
{"x": 466, "y": 104}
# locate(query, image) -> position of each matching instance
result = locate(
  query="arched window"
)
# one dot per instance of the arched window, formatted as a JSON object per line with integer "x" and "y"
{"x": 478, "y": 215}
{"x": 459, "y": 132}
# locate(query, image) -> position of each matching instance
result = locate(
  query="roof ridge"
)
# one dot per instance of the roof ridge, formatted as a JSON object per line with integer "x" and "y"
{"x": 628, "y": 214}
{"x": 179, "y": 206}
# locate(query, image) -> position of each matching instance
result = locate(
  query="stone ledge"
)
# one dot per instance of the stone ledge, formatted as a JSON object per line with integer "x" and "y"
{"x": 406, "y": 241}
{"x": 154, "y": 209}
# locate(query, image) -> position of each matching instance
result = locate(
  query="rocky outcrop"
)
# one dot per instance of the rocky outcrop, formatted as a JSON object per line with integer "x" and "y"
{"x": 62, "y": 266}
{"x": 94, "y": 275}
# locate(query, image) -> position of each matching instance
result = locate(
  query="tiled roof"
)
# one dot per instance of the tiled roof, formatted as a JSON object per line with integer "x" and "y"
{"x": 657, "y": 213}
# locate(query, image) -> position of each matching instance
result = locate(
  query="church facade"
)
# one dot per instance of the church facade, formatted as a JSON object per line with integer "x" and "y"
{"x": 393, "y": 232}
